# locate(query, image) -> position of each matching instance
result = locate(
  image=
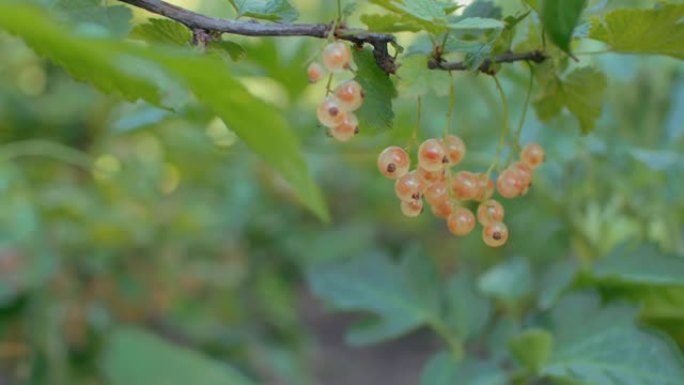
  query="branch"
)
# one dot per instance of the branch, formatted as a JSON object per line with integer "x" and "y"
{"x": 196, "y": 21}
{"x": 508, "y": 57}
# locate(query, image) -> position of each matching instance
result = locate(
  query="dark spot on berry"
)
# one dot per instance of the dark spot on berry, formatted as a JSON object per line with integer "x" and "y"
{"x": 333, "y": 111}
{"x": 445, "y": 159}
{"x": 363, "y": 94}
{"x": 497, "y": 236}
{"x": 347, "y": 66}
{"x": 391, "y": 167}
{"x": 416, "y": 196}
{"x": 356, "y": 130}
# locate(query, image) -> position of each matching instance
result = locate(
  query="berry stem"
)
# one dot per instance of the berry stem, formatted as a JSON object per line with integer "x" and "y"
{"x": 450, "y": 109}
{"x": 328, "y": 89}
{"x": 414, "y": 133}
{"x": 339, "y": 11}
{"x": 523, "y": 116}
{"x": 454, "y": 342}
{"x": 504, "y": 127}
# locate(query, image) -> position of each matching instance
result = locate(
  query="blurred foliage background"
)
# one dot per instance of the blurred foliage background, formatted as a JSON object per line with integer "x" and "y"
{"x": 115, "y": 213}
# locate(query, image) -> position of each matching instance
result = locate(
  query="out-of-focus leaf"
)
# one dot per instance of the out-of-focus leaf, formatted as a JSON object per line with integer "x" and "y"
{"x": 115, "y": 19}
{"x": 467, "y": 311}
{"x": 560, "y": 18}
{"x": 644, "y": 266}
{"x": 532, "y": 348}
{"x": 232, "y": 50}
{"x": 390, "y": 23}
{"x": 554, "y": 281}
{"x": 273, "y": 10}
{"x": 415, "y": 81}
{"x": 443, "y": 369}
{"x": 163, "y": 31}
{"x": 376, "y": 112}
{"x": 604, "y": 346}
{"x": 483, "y": 8}
{"x": 401, "y": 297}
{"x": 475, "y": 23}
{"x": 135, "y": 357}
{"x": 650, "y": 31}
{"x": 431, "y": 14}
{"x": 509, "y": 281}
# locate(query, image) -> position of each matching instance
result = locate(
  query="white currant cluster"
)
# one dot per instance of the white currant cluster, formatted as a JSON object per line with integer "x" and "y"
{"x": 336, "y": 112}
{"x": 446, "y": 192}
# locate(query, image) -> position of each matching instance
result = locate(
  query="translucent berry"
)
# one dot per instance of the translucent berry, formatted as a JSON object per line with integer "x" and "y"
{"x": 437, "y": 193}
{"x": 430, "y": 177}
{"x": 409, "y": 187}
{"x": 330, "y": 113}
{"x": 490, "y": 211}
{"x": 347, "y": 129}
{"x": 412, "y": 208}
{"x": 524, "y": 171}
{"x": 533, "y": 155}
{"x": 350, "y": 95}
{"x": 461, "y": 221}
{"x": 393, "y": 162}
{"x": 485, "y": 187}
{"x": 315, "y": 72}
{"x": 442, "y": 209}
{"x": 431, "y": 155}
{"x": 465, "y": 185}
{"x": 337, "y": 57}
{"x": 510, "y": 184}
{"x": 495, "y": 234}
{"x": 455, "y": 149}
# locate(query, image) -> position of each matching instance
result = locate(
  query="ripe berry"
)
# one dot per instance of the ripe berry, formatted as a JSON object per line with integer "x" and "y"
{"x": 430, "y": 177}
{"x": 442, "y": 209}
{"x": 347, "y": 129}
{"x": 337, "y": 57}
{"x": 409, "y": 187}
{"x": 461, "y": 221}
{"x": 412, "y": 208}
{"x": 455, "y": 149}
{"x": 431, "y": 155}
{"x": 533, "y": 155}
{"x": 465, "y": 185}
{"x": 490, "y": 211}
{"x": 495, "y": 234}
{"x": 524, "y": 171}
{"x": 437, "y": 193}
{"x": 510, "y": 184}
{"x": 485, "y": 187}
{"x": 315, "y": 72}
{"x": 330, "y": 113}
{"x": 350, "y": 95}
{"x": 393, "y": 162}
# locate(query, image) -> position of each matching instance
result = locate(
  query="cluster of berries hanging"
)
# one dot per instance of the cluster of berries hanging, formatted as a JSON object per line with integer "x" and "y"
{"x": 336, "y": 112}
{"x": 446, "y": 193}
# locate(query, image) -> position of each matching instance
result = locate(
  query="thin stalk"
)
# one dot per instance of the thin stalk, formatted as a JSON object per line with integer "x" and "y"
{"x": 451, "y": 107}
{"x": 523, "y": 116}
{"x": 504, "y": 128}
{"x": 339, "y": 11}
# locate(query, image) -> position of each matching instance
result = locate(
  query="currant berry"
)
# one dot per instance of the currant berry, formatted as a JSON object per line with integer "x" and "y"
{"x": 409, "y": 187}
{"x": 412, "y": 208}
{"x": 461, "y": 221}
{"x": 393, "y": 162}
{"x": 350, "y": 95}
{"x": 485, "y": 187}
{"x": 315, "y": 72}
{"x": 436, "y": 193}
{"x": 533, "y": 155}
{"x": 442, "y": 209}
{"x": 430, "y": 177}
{"x": 465, "y": 185}
{"x": 337, "y": 57}
{"x": 455, "y": 149}
{"x": 524, "y": 171}
{"x": 330, "y": 113}
{"x": 431, "y": 155}
{"x": 495, "y": 234}
{"x": 510, "y": 184}
{"x": 490, "y": 211}
{"x": 347, "y": 129}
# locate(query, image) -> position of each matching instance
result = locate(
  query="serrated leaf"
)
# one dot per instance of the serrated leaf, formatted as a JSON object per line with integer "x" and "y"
{"x": 228, "y": 49}
{"x": 163, "y": 31}
{"x": 581, "y": 92}
{"x": 135, "y": 357}
{"x": 509, "y": 281}
{"x": 560, "y": 18}
{"x": 443, "y": 369}
{"x": 483, "y": 9}
{"x": 475, "y": 23}
{"x": 415, "y": 80}
{"x": 643, "y": 266}
{"x": 390, "y": 23}
{"x": 401, "y": 297}
{"x": 467, "y": 312}
{"x": 431, "y": 14}
{"x": 604, "y": 346}
{"x": 651, "y": 31}
{"x": 376, "y": 112}
{"x": 115, "y": 19}
{"x": 154, "y": 75}
{"x": 272, "y": 10}
{"x": 532, "y": 348}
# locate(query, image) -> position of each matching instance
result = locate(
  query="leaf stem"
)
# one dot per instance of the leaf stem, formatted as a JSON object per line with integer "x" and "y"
{"x": 523, "y": 116}
{"x": 454, "y": 342}
{"x": 47, "y": 149}
{"x": 414, "y": 134}
{"x": 451, "y": 107}
{"x": 504, "y": 127}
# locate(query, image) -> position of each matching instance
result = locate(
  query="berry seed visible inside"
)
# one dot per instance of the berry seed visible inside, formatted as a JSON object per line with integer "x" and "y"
{"x": 333, "y": 111}
{"x": 496, "y": 235}
{"x": 391, "y": 167}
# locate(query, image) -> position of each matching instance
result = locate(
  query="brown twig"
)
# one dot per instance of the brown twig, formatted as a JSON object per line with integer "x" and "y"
{"x": 486, "y": 66}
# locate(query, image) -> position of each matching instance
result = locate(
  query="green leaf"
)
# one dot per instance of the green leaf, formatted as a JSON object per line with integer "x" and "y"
{"x": 135, "y": 357}
{"x": 415, "y": 80}
{"x": 273, "y": 10}
{"x": 228, "y": 49}
{"x": 390, "y": 23}
{"x": 509, "y": 281}
{"x": 581, "y": 92}
{"x": 560, "y": 18}
{"x": 604, "y": 346}
{"x": 484, "y": 9}
{"x": 158, "y": 76}
{"x": 431, "y": 14}
{"x": 532, "y": 348}
{"x": 376, "y": 112}
{"x": 401, "y": 297}
{"x": 653, "y": 31}
{"x": 115, "y": 20}
{"x": 554, "y": 281}
{"x": 443, "y": 369}
{"x": 467, "y": 312}
{"x": 163, "y": 31}
{"x": 475, "y": 23}
{"x": 644, "y": 266}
